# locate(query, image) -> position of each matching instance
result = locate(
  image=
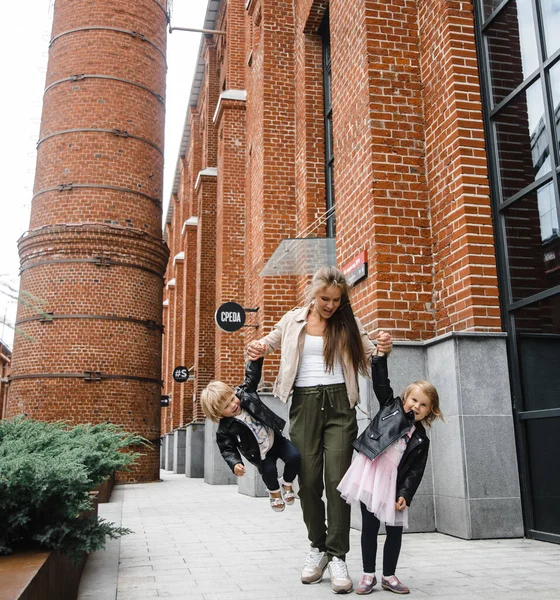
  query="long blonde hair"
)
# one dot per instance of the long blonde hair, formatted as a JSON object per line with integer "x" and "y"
{"x": 341, "y": 335}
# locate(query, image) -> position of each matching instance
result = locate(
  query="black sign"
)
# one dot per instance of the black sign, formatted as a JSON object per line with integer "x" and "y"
{"x": 180, "y": 374}
{"x": 359, "y": 273}
{"x": 230, "y": 317}
{"x": 164, "y": 401}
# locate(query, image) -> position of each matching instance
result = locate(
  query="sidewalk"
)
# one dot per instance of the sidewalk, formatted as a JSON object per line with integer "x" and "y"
{"x": 194, "y": 541}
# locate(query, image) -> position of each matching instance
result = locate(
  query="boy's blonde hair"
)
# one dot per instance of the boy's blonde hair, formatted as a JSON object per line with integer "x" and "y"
{"x": 427, "y": 388}
{"x": 213, "y": 397}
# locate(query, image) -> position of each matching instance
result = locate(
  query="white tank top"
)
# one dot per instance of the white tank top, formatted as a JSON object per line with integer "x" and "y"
{"x": 312, "y": 369}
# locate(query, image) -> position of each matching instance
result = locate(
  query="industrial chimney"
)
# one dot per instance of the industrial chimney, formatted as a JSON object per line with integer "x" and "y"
{"x": 88, "y": 347}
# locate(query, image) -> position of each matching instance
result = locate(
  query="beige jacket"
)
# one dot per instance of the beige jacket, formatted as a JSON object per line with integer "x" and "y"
{"x": 289, "y": 336}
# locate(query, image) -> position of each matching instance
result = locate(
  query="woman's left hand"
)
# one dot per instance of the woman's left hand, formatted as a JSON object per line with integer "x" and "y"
{"x": 400, "y": 504}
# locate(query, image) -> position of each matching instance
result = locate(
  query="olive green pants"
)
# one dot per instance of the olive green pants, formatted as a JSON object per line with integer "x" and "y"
{"x": 323, "y": 427}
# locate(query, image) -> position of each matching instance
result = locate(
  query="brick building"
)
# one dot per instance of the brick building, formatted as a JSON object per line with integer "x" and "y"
{"x": 93, "y": 260}
{"x": 420, "y": 138}
{"x": 5, "y": 360}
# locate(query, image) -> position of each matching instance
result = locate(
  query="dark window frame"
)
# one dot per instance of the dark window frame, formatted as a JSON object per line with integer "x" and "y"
{"x": 510, "y": 306}
{"x": 324, "y": 32}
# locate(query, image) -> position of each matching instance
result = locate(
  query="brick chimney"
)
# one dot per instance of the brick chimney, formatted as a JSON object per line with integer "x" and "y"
{"x": 92, "y": 262}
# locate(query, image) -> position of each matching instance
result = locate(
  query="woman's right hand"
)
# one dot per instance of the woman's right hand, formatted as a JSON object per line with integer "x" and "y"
{"x": 256, "y": 350}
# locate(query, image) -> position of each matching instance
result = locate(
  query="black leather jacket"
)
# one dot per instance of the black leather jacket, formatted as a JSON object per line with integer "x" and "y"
{"x": 389, "y": 424}
{"x": 233, "y": 436}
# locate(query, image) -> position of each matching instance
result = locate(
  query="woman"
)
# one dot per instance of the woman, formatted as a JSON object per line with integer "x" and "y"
{"x": 324, "y": 347}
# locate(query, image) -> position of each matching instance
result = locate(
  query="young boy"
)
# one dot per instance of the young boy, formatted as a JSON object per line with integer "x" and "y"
{"x": 249, "y": 427}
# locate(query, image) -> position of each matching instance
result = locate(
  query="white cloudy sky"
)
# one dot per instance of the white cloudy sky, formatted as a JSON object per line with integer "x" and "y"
{"x": 24, "y": 48}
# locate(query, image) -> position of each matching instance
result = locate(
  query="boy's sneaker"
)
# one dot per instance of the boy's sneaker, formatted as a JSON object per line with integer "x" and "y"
{"x": 276, "y": 503}
{"x": 340, "y": 580}
{"x": 315, "y": 565}
{"x": 394, "y": 585}
{"x": 288, "y": 492}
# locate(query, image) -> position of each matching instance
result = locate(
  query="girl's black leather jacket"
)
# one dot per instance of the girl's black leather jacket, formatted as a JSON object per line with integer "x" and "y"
{"x": 390, "y": 423}
{"x": 233, "y": 436}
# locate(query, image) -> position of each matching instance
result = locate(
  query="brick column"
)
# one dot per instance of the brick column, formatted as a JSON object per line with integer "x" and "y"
{"x": 205, "y": 281}
{"x": 230, "y": 230}
{"x": 465, "y": 284}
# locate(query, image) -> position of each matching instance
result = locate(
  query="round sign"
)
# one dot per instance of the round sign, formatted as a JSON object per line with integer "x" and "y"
{"x": 230, "y": 316}
{"x": 180, "y": 374}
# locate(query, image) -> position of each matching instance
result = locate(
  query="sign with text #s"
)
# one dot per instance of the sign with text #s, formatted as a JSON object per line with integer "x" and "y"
{"x": 230, "y": 317}
{"x": 180, "y": 374}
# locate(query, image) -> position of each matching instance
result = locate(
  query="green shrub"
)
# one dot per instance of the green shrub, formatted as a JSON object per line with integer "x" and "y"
{"x": 46, "y": 473}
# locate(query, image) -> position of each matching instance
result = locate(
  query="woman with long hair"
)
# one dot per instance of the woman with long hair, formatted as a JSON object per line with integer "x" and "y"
{"x": 324, "y": 347}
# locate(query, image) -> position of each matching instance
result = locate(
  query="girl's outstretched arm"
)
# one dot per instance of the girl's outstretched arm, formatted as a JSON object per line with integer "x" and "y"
{"x": 381, "y": 384}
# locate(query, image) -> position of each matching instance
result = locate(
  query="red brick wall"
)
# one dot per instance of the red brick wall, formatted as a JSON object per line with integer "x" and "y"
{"x": 465, "y": 285}
{"x": 94, "y": 255}
{"x": 410, "y": 167}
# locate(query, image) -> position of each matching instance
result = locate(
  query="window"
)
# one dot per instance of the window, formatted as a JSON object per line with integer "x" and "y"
{"x": 329, "y": 155}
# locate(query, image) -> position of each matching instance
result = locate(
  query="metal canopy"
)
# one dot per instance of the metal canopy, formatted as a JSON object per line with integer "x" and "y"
{"x": 300, "y": 256}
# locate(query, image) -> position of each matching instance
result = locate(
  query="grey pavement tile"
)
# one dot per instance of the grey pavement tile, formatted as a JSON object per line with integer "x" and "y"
{"x": 136, "y": 594}
{"x": 139, "y": 583}
{"x": 136, "y": 561}
{"x": 182, "y": 596}
{"x": 142, "y": 571}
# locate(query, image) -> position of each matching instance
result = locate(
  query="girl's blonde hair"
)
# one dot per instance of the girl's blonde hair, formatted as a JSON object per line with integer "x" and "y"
{"x": 213, "y": 397}
{"x": 427, "y": 388}
{"x": 341, "y": 332}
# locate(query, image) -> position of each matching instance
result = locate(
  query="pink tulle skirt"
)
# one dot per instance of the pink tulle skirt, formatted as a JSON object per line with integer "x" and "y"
{"x": 374, "y": 482}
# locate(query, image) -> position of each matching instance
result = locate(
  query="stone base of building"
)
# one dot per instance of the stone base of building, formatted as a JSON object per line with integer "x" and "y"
{"x": 216, "y": 470}
{"x": 194, "y": 450}
{"x": 179, "y": 446}
{"x": 169, "y": 452}
{"x": 162, "y": 451}
{"x": 471, "y": 483}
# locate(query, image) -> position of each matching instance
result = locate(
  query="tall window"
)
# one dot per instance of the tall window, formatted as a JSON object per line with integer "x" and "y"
{"x": 329, "y": 155}
{"x": 519, "y": 51}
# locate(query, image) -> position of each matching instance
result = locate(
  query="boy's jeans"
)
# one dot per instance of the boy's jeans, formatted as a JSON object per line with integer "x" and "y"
{"x": 284, "y": 450}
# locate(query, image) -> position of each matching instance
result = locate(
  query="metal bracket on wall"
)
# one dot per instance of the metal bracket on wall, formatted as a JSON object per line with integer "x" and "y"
{"x": 50, "y": 317}
{"x": 63, "y": 187}
{"x": 87, "y": 376}
{"x": 92, "y": 376}
{"x": 95, "y": 261}
{"x": 253, "y": 310}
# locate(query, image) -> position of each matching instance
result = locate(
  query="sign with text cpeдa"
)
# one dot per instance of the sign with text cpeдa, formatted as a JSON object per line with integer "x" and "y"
{"x": 230, "y": 317}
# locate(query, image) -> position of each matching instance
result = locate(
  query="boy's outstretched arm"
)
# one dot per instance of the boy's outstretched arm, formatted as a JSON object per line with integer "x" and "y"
{"x": 253, "y": 372}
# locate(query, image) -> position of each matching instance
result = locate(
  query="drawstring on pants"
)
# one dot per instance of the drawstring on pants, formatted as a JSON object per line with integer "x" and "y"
{"x": 323, "y": 392}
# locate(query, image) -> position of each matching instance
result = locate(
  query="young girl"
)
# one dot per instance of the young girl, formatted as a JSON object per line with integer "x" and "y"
{"x": 392, "y": 455}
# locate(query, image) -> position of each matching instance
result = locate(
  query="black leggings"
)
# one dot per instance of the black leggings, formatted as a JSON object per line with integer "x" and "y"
{"x": 391, "y": 549}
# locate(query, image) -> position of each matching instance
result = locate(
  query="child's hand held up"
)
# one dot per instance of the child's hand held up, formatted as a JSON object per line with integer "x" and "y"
{"x": 239, "y": 469}
{"x": 384, "y": 343}
{"x": 400, "y": 504}
{"x": 256, "y": 350}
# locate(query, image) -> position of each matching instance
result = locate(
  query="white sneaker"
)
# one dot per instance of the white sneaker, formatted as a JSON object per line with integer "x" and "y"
{"x": 315, "y": 565}
{"x": 340, "y": 580}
